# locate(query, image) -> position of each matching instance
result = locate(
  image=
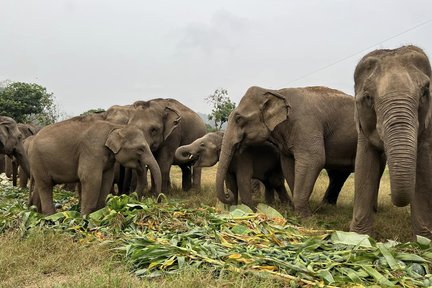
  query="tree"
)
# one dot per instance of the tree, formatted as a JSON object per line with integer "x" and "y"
{"x": 222, "y": 107}
{"x": 91, "y": 111}
{"x": 28, "y": 103}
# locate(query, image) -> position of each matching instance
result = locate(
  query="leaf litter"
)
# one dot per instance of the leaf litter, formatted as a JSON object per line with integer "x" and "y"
{"x": 162, "y": 238}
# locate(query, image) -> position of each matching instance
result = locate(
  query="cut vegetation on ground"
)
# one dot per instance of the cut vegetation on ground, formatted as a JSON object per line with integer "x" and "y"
{"x": 185, "y": 241}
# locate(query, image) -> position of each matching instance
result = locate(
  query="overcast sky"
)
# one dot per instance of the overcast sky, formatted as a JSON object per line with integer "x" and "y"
{"x": 97, "y": 53}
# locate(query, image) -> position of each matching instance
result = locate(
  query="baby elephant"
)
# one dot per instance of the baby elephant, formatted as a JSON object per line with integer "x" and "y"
{"x": 259, "y": 162}
{"x": 85, "y": 150}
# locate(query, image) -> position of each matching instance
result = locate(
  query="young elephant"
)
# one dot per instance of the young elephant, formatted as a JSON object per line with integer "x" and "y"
{"x": 85, "y": 151}
{"x": 260, "y": 162}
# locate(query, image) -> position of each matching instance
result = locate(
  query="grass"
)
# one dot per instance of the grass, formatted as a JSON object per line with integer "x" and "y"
{"x": 49, "y": 259}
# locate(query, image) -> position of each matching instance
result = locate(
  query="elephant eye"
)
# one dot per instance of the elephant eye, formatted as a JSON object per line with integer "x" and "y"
{"x": 140, "y": 150}
{"x": 425, "y": 94}
{"x": 202, "y": 144}
{"x": 368, "y": 99}
{"x": 153, "y": 130}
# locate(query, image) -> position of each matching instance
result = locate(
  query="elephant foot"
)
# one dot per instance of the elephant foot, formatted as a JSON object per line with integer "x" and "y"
{"x": 361, "y": 230}
{"x": 303, "y": 212}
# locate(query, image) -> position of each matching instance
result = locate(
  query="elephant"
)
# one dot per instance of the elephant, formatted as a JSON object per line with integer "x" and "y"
{"x": 11, "y": 142}
{"x": 393, "y": 115}
{"x": 168, "y": 124}
{"x": 26, "y": 130}
{"x": 260, "y": 162}
{"x": 85, "y": 150}
{"x": 126, "y": 179}
{"x": 305, "y": 124}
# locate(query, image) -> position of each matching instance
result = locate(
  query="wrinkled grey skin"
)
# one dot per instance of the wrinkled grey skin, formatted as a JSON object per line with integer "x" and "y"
{"x": 81, "y": 150}
{"x": 168, "y": 124}
{"x": 393, "y": 114}
{"x": 260, "y": 162}
{"x": 26, "y": 130}
{"x": 11, "y": 142}
{"x": 306, "y": 126}
{"x": 119, "y": 114}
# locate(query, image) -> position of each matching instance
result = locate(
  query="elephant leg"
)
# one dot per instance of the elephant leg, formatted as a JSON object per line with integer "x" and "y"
{"x": 288, "y": 170}
{"x": 23, "y": 178}
{"x": 107, "y": 182}
{"x": 2, "y": 163}
{"x": 14, "y": 172}
{"x": 231, "y": 183}
{"x": 268, "y": 193}
{"x": 421, "y": 202}
{"x": 196, "y": 181}
{"x": 121, "y": 180}
{"x": 244, "y": 177}
{"x": 186, "y": 177}
{"x": 91, "y": 183}
{"x": 278, "y": 183}
{"x": 141, "y": 181}
{"x": 307, "y": 168}
{"x": 337, "y": 179}
{"x": 8, "y": 166}
{"x": 44, "y": 190}
{"x": 367, "y": 177}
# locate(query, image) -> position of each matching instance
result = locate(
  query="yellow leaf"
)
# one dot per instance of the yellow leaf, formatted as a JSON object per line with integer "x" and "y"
{"x": 266, "y": 267}
{"x": 234, "y": 256}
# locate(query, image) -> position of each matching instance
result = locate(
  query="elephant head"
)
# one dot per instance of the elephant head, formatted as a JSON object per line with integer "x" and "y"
{"x": 393, "y": 110}
{"x": 156, "y": 121}
{"x": 203, "y": 152}
{"x": 256, "y": 117}
{"x": 119, "y": 114}
{"x": 131, "y": 150}
{"x": 11, "y": 142}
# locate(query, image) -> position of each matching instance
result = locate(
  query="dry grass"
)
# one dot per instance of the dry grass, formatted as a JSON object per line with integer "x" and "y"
{"x": 46, "y": 259}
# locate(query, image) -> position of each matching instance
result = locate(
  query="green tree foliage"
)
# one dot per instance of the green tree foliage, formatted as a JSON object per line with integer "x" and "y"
{"x": 222, "y": 107}
{"x": 91, "y": 111}
{"x": 28, "y": 103}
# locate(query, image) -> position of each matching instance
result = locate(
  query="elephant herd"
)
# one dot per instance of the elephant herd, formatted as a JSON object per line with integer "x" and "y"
{"x": 273, "y": 135}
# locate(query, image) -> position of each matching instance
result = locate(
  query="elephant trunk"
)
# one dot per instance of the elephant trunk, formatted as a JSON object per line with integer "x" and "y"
{"x": 183, "y": 154}
{"x": 155, "y": 171}
{"x": 21, "y": 157}
{"x": 400, "y": 143}
{"x": 227, "y": 152}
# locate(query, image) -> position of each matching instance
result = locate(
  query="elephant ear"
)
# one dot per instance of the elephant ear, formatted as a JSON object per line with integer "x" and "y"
{"x": 115, "y": 140}
{"x": 275, "y": 109}
{"x": 364, "y": 70}
{"x": 171, "y": 121}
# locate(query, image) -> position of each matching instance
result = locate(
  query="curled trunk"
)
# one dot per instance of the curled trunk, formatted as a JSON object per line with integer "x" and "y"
{"x": 183, "y": 154}
{"x": 226, "y": 155}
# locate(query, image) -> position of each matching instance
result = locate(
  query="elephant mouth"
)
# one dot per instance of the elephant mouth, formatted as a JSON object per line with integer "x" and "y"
{"x": 193, "y": 159}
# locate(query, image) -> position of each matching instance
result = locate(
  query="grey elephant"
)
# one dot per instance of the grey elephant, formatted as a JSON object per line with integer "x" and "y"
{"x": 11, "y": 141}
{"x": 26, "y": 130}
{"x": 168, "y": 124}
{"x": 393, "y": 114}
{"x": 305, "y": 124}
{"x": 85, "y": 150}
{"x": 260, "y": 162}
{"x": 126, "y": 179}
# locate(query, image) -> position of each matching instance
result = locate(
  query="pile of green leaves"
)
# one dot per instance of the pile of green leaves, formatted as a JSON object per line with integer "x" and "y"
{"x": 159, "y": 238}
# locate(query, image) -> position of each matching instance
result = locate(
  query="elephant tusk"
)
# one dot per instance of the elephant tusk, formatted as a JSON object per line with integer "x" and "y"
{"x": 190, "y": 157}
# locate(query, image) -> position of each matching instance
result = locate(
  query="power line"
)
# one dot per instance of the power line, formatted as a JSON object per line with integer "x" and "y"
{"x": 361, "y": 51}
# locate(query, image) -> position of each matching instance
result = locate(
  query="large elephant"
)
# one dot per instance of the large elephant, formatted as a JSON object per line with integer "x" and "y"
{"x": 306, "y": 125}
{"x": 86, "y": 150}
{"x": 260, "y": 162}
{"x": 393, "y": 115}
{"x": 11, "y": 141}
{"x": 168, "y": 124}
